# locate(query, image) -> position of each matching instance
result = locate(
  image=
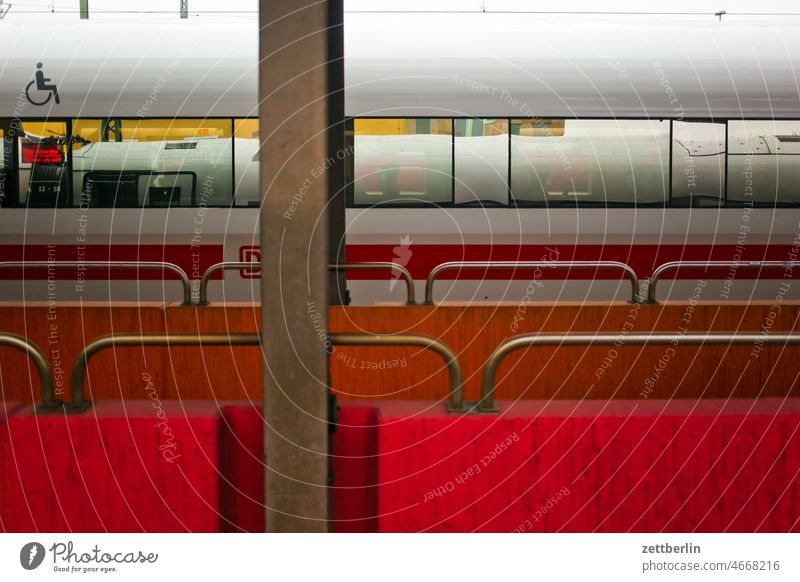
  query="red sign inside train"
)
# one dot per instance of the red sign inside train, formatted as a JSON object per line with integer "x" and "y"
{"x": 35, "y": 153}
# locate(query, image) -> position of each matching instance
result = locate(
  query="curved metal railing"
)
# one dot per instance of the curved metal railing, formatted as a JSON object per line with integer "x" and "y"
{"x": 216, "y": 268}
{"x": 34, "y": 352}
{"x": 187, "y": 287}
{"x": 566, "y": 265}
{"x": 455, "y": 401}
{"x": 677, "y": 265}
{"x": 380, "y": 266}
{"x": 79, "y": 402}
{"x": 487, "y": 404}
{"x": 372, "y": 266}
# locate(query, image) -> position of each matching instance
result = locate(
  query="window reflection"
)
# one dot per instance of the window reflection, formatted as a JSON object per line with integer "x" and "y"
{"x": 763, "y": 162}
{"x": 481, "y": 162}
{"x": 590, "y": 161}
{"x": 698, "y": 163}
{"x": 246, "y": 135}
{"x": 151, "y": 162}
{"x": 42, "y": 163}
{"x": 402, "y": 161}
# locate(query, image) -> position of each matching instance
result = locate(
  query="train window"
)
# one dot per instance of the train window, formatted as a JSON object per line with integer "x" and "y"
{"x": 481, "y": 162}
{"x": 246, "y": 143}
{"x": 152, "y": 162}
{"x": 698, "y": 164}
{"x": 763, "y": 163}
{"x": 42, "y": 163}
{"x": 589, "y": 162}
{"x": 402, "y": 161}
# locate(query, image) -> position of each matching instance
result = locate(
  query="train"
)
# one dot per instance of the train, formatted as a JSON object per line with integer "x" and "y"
{"x": 469, "y": 137}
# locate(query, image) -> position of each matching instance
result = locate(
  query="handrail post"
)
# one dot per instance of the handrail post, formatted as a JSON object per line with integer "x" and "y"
{"x": 487, "y": 402}
{"x": 629, "y": 273}
{"x": 677, "y": 265}
{"x": 49, "y": 402}
{"x": 172, "y": 267}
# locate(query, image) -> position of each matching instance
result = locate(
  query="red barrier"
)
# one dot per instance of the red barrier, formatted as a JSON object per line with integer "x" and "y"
{"x": 590, "y": 465}
{"x": 121, "y": 467}
{"x": 585, "y": 466}
{"x": 353, "y": 462}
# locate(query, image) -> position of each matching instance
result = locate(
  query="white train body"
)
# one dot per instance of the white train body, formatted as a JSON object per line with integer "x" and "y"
{"x": 641, "y": 141}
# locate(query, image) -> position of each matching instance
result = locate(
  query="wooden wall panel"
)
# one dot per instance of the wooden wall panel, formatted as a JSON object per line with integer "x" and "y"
{"x": 217, "y": 373}
{"x": 576, "y": 372}
{"x": 62, "y": 330}
{"x": 653, "y": 372}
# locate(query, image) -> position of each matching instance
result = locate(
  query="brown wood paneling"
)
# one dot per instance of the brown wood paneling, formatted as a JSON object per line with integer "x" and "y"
{"x": 408, "y": 373}
{"x": 221, "y": 373}
{"x": 61, "y": 330}
{"x": 577, "y": 372}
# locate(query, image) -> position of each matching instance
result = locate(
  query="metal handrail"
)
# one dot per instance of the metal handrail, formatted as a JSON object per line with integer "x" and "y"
{"x": 373, "y": 266}
{"x": 79, "y": 403}
{"x": 455, "y": 402}
{"x": 379, "y": 266}
{"x": 676, "y": 265}
{"x": 223, "y": 266}
{"x": 34, "y": 352}
{"x": 187, "y": 286}
{"x": 487, "y": 404}
{"x": 609, "y": 265}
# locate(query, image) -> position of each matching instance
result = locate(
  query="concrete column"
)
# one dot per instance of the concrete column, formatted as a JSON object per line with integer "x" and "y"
{"x": 296, "y": 220}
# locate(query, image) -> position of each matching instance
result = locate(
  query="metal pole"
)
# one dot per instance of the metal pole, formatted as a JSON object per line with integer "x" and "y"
{"x": 339, "y": 155}
{"x": 84, "y": 9}
{"x": 294, "y": 117}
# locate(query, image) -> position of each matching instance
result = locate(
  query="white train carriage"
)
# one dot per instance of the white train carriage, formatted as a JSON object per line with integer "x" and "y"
{"x": 470, "y": 137}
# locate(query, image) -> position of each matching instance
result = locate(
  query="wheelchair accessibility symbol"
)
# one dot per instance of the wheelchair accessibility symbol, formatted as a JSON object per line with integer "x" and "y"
{"x": 43, "y": 91}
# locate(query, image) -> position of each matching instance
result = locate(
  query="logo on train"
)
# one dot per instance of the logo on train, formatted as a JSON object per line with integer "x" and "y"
{"x": 250, "y": 254}
{"x": 402, "y": 256}
{"x": 32, "y": 555}
{"x": 44, "y": 90}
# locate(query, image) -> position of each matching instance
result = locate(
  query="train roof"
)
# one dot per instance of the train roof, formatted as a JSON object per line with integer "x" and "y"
{"x": 419, "y": 65}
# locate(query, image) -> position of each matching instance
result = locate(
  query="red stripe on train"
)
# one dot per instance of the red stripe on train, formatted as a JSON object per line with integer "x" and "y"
{"x": 419, "y": 259}
{"x": 192, "y": 259}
